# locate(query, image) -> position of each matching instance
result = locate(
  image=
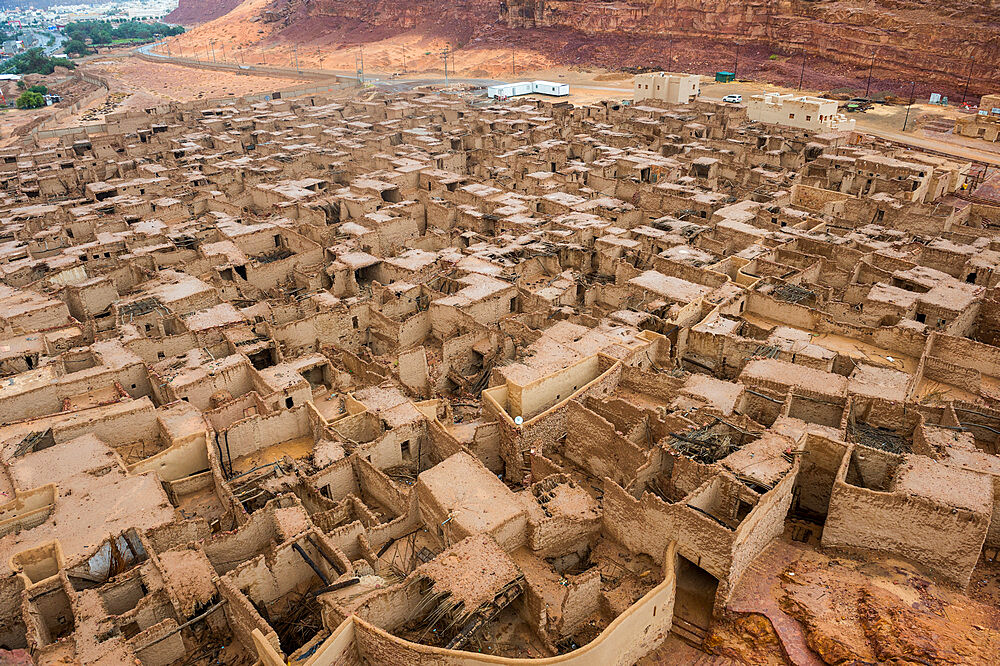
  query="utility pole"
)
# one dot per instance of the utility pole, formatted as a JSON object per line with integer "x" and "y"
{"x": 909, "y": 102}
{"x": 802, "y": 72}
{"x": 513, "y": 70}
{"x": 445, "y": 65}
{"x": 296, "y": 51}
{"x": 870, "y": 68}
{"x": 737, "y": 65}
{"x": 212, "y": 45}
{"x": 972, "y": 63}
{"x": 670, "y": 55}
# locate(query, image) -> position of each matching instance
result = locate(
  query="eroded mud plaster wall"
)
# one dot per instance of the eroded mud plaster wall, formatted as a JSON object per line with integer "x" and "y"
{"x": 943, "y": 539}
{"x": 594, "y": 444}
{"x": 765, "y": 523}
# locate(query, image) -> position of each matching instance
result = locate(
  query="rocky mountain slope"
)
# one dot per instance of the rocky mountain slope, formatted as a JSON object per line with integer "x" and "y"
{"x": 932, "y": 42}
{"x": 194, "y": 12}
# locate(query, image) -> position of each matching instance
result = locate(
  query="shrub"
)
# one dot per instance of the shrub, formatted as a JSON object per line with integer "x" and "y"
{"x": 39, "y": 88}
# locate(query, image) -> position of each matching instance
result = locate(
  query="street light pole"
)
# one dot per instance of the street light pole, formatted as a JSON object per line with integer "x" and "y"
{"x": 296, "y": 50}
{"x": 870, "y": 68}
{"x": 802, "y": 72}
{"x": 972, "y": 63}
{"x": 913, "y": 85}
{"x": 212, "y": 45}
{"x": 737, "y": 65}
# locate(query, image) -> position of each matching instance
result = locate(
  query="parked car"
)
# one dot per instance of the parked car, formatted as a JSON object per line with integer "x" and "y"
{"x": 735, "y": 99}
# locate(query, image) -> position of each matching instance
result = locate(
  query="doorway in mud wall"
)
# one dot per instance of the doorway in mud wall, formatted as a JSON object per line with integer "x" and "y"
{"x": 694, "y": 601}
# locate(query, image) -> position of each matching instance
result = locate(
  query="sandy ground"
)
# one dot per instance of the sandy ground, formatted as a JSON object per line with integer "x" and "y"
{"x": 146, "y": 84}
{"x": 16, "y": 121}
{"x": 11, "y": 120}
{"x": 178, "y": 83}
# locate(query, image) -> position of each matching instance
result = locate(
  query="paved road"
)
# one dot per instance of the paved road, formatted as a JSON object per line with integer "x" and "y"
{"x": 952, "y": 149}
{"x": 42, "y": 39}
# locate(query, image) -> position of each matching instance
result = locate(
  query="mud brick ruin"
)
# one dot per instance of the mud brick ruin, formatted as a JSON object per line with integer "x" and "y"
{"x": 415, "y": 380}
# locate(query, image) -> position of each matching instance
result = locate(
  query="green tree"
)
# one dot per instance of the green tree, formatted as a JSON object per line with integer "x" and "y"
{"x": 34, "y": 61}
{"x": 76, "y": 47}
{"x": 39, "y": 88}
{"x": 30, "y": 100}
{"x": 105, "y": 32}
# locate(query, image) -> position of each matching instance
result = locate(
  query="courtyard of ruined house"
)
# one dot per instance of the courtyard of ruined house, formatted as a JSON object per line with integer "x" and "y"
{"x": 418, "y": 378}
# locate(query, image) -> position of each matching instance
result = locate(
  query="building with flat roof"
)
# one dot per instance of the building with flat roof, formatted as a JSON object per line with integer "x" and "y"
{"x": 669, "y": 87}
{"x": 809, "y": 113}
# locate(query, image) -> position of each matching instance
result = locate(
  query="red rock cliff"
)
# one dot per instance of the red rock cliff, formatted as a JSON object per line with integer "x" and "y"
{"x": 929, "y": 41}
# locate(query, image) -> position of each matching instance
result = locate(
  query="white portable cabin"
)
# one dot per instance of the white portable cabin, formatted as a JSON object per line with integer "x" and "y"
{"x": 509, "y": 89}
{"x": 550, "y": 88}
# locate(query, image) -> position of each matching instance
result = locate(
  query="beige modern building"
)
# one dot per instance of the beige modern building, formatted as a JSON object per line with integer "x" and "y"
{"x": 670, "y": 87}
{"x": 802, "y": 111}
